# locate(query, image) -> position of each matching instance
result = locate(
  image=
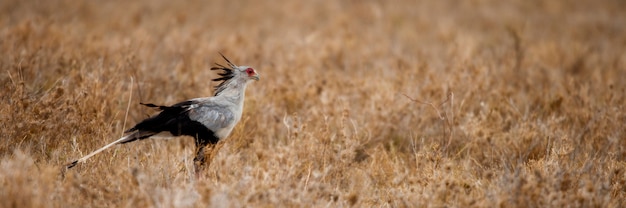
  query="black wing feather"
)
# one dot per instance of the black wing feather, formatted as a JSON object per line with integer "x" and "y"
{"x": 168, "y": 115}
{"x": 175, "y": 120}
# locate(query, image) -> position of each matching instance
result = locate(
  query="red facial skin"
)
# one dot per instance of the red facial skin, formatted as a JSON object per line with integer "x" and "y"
{"x": 250, "y": 72}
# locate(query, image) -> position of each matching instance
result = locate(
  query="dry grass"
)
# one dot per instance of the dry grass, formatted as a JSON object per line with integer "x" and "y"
{"x": 516, "y": 103}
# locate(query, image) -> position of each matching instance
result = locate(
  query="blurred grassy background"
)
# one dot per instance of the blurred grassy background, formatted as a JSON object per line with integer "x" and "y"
{"x": 361, "y": 103}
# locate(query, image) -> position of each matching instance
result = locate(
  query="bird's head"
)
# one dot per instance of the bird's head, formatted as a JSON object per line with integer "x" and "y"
{"x": 247, "y": 72}
{"x": 233, "y": 72}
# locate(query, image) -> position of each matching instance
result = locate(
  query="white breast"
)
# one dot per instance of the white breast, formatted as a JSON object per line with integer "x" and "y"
{"x": 224, "y": 132}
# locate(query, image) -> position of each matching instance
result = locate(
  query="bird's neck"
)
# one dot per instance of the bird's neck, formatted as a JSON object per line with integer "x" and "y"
{"x": 234, "y": 92}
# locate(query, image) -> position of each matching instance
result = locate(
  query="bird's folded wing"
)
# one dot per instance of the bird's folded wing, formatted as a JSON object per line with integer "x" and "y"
{"x": 213, "y": 116}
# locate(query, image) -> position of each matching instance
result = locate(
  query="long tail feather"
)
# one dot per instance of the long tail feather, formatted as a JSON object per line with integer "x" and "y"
{"x": 83, "y": 159}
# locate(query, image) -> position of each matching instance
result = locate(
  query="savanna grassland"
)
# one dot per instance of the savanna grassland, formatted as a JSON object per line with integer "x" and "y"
{"x": 475, "y": 103}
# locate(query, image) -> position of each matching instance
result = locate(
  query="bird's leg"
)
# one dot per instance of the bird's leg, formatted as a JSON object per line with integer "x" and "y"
{"x": 204, "y": 157}
{"x": 200, "y": 159}
{"x": 214, "y": 149}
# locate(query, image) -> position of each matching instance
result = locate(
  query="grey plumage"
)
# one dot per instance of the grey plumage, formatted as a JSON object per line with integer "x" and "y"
{"x": 208, "y": 119}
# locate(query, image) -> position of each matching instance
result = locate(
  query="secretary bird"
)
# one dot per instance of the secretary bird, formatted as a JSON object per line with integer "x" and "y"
{"x": 208, "y": 119}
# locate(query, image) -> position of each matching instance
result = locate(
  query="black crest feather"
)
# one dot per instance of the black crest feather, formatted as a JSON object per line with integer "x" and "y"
{"x": 225, "y": 75}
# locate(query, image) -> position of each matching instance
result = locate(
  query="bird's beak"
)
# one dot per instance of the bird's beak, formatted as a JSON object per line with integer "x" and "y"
{"x": 256, "y": 77}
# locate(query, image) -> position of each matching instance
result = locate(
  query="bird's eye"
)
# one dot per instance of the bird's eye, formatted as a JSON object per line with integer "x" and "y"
{"x": 250, "y": 71}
